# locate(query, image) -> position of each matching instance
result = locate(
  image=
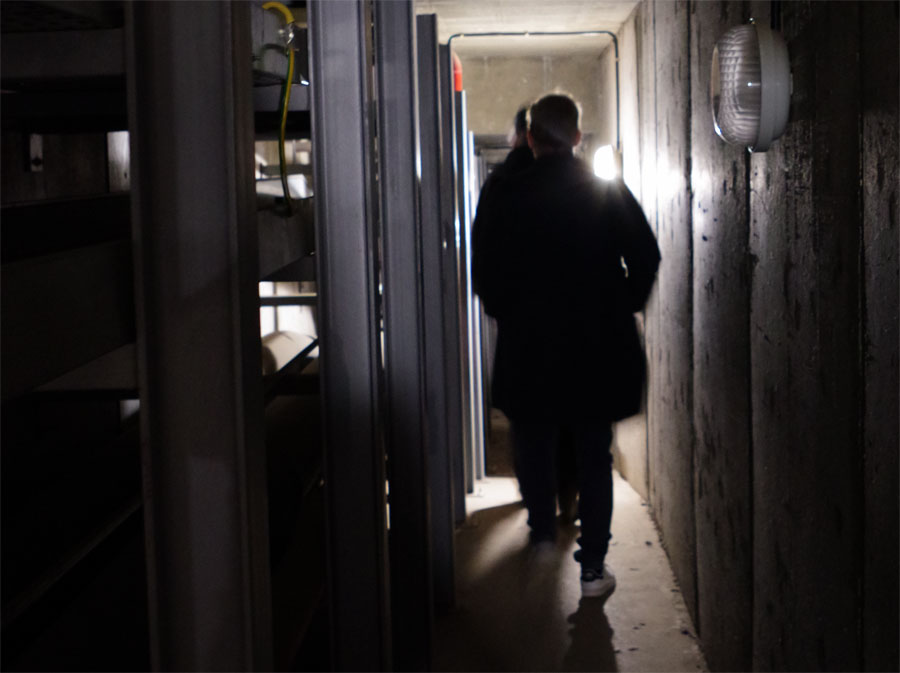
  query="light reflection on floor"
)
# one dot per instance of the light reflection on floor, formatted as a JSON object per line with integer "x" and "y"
{"x": 517, "y": 611}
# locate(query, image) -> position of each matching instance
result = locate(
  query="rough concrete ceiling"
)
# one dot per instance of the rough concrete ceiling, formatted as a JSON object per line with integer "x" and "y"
{"x": 479, "y": 16}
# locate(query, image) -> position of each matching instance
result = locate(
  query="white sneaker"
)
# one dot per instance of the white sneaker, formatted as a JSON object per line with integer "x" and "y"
{"x": 596, "y": 583}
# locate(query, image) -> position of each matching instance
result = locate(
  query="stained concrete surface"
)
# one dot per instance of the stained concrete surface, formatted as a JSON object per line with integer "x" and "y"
{"x": 721, "y": 314}
{"x": 518, "y": 611}
{"x": 881, "y": 361}
{"x": 772, "y": 336}
{"x": 805, "y": 307}
{"x": 670, "y": 389}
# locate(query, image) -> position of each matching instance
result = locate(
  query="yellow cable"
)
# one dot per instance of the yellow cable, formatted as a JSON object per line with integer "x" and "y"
{"x": 289, "y": 19}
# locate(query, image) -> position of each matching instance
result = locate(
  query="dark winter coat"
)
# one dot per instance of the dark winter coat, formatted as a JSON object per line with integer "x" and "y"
{"x": 516, "y": 161}
{"x": 565, "y": 260}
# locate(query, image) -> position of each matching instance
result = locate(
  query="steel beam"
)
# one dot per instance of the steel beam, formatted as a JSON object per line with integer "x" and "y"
{"x": 437, "y": 373}
{"x": 473, "y": 182}
{"x": 194, "y": 230}
{"x": 451, "y": 287}
{"x": 340, "y": 53}
{"x": 461, "y": 156}
{"x": 404, "y": 334}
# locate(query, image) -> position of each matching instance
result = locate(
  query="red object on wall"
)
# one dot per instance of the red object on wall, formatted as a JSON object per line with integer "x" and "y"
{"x": 457, "y": 73}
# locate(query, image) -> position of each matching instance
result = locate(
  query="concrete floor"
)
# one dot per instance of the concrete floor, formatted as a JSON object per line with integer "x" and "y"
{"x": 519, "y": 612}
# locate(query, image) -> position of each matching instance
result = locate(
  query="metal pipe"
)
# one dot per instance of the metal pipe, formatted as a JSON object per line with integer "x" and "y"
{"x": 542, "y": 33}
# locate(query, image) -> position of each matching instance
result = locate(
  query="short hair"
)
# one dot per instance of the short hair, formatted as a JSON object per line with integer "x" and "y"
{"x": 521, "y": 121}
{"x": 553, "y": 121}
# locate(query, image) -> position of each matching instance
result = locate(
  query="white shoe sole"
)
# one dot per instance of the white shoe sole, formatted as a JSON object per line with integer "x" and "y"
{"x": 599, "y": 587}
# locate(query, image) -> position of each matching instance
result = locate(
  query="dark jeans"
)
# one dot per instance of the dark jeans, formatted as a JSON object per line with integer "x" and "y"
{"x": 535, "y": 445}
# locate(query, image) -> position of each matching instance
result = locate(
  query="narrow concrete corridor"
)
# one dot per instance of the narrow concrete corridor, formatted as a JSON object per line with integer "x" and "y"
{"x": 518, "y": 612}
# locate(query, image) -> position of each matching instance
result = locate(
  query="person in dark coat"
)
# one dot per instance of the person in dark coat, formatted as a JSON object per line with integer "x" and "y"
{"x": 566, "y": 261}
{"x": 520, "y": 158}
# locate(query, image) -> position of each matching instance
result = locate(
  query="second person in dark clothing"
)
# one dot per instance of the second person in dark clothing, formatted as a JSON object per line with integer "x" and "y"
{"x": 519, "y": 158}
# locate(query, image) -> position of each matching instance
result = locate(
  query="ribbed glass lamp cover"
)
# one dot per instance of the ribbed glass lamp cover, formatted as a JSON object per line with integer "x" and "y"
{"x": 736, "y": 85}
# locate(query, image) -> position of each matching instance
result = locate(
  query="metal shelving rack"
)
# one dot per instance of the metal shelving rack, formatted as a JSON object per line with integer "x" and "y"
{"x": 150, "y": 294}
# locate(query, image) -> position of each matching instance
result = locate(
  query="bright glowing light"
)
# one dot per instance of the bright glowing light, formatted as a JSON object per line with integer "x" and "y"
{"x": 605, "y": 163}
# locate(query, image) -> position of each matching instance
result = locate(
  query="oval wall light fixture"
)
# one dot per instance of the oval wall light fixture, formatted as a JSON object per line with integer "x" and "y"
{"x": 750, "y": 86}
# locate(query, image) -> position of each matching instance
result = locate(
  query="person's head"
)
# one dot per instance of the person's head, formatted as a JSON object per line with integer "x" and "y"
{"x": 553, "y": 125}
{"x": 519, "y": 135}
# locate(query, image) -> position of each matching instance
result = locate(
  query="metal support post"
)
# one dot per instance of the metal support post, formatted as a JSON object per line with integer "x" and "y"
{"x": 436, "y": 371}
{"x": 359, "y": 593}
{"x": 461, "y": 150}
{"x": 404, "y": 334}
{"x": 194, "y": 218}
{"x": 451, "y": 287}
{"x": 473, "y": 184}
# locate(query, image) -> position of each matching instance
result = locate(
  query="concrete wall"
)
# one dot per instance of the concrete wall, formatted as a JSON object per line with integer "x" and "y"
{"x": 605, "y": 82}
{"x": 772, "y": 338}
{"x": 498, "y": 86}
{"x": 721, "y": 294}
{"x": 880, "y": 173}
{"x": 804, "y": 244}
{"x": 630, "y": 136}
{"x": 669, "y": 316}
{"x": 630, "y": 440}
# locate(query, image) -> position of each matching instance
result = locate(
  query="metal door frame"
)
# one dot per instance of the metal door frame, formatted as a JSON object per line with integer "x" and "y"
{"x": 340, "y": 40}
{"x": 196, "y": 273}
{"x": 440, "y": 411}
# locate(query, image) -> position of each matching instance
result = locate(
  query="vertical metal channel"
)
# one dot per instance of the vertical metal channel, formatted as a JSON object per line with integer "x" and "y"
{"x": 195, "y": 243}
{"x": 404, "y": 334}
{"x": 452, "y": 292}
{"x": 437, "y": 374}
{"x": 461, "y": 145}
{"x": 475, "y": 337}
{"x": 342, "y": 137}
